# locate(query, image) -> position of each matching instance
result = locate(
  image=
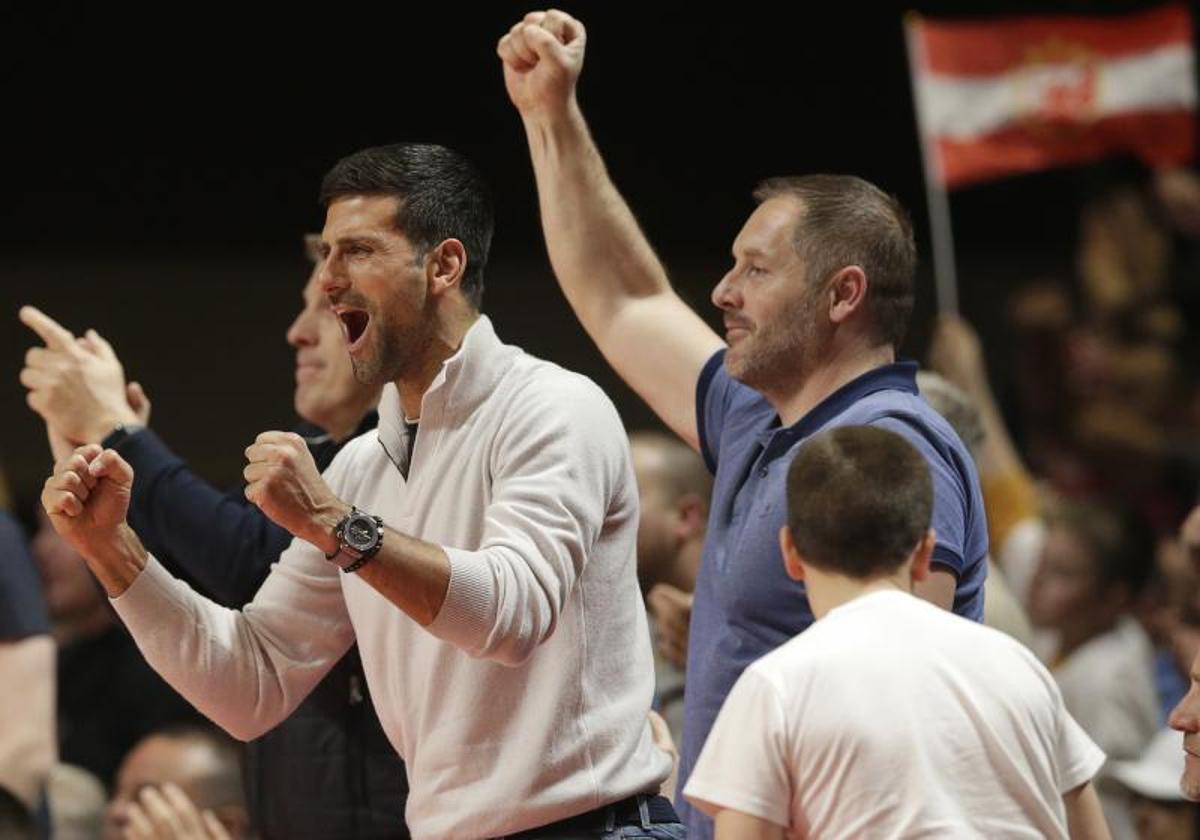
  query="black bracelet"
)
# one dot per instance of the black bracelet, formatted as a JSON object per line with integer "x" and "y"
{"x": 361, "y": 561}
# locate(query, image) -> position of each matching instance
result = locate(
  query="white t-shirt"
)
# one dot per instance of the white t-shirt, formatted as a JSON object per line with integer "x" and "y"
{"x": 893, "y": 718}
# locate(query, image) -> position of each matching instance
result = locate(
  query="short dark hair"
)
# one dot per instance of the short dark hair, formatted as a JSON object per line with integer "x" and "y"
{"x": 440, "y": 193}
{"x": 849, "y": 221}
{"x": 859, "y": 500}
{"x": 1121, "y": 548}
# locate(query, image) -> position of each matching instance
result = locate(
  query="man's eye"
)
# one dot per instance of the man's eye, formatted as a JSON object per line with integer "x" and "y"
{"x": 755, "y": 269}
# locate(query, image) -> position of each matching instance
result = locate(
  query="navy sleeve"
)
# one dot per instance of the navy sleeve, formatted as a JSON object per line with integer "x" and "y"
{"x": 712, "y": 399}
{"x": 22, "y": 608}
{"x": 219, "y": 540}
{"x": 951, "y": 499}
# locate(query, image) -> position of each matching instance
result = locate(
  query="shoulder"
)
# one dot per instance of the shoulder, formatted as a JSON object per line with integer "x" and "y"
{"x": 543, "y": 392}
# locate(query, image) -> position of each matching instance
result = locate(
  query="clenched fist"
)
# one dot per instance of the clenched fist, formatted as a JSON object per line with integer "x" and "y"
{"x": 283, "y": 480}
{"x": 86, "y": 499}
{"x": 543, "y": 55}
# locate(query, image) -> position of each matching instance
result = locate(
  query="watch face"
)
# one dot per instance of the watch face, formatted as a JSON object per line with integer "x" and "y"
{"x": 361, "y": 532}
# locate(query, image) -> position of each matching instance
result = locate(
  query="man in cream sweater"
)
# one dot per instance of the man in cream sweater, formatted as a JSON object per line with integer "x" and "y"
{"x": 484, "y": 532}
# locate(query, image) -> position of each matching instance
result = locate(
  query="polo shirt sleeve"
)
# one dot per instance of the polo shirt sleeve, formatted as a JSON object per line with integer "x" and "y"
{"x": 952, "y": 508}
{"x": 22, "y": 608}
{"x": 714, "y": 396}
{"x": 744, "y": 763}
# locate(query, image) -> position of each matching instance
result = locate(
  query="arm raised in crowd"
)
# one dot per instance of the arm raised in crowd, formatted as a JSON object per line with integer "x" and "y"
{"x": 219, "y": 540}
{"x": 608, "y": 271}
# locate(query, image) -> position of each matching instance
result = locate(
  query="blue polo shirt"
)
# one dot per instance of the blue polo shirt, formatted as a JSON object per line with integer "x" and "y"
{"x": 745, "y": 604}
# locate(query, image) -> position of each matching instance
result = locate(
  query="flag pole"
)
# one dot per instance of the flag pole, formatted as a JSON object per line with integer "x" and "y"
{"x": 936, "y": 200}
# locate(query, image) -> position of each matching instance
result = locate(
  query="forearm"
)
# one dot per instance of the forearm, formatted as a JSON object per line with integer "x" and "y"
{"x": 599, "y": 253}
{"x": 116, "y": 563}
{"x": 27, "y": 744}
{"x": 412, "y": 574}
{"x": 611, "y": 276}
{"x": 1085, "y": 817}
{"x": 998, "y": 454}
{"x": 245, "y": 670}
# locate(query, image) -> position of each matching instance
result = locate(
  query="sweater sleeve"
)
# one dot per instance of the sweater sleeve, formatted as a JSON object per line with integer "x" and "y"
{"x": 559, "y": 470}
{"x": 219, "y": 540}
{"x": 246, "y": 670}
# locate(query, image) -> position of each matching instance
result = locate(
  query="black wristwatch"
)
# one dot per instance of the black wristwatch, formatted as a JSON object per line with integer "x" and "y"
{"x": 359, "y": 537}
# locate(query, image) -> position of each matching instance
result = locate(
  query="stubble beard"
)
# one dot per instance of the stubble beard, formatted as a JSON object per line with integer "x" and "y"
{"x": 396, "y": 351}
{"x": 780, "y": 352}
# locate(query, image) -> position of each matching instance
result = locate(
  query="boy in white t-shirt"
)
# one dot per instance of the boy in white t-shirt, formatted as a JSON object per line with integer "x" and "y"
{"x": 889, "y": 717}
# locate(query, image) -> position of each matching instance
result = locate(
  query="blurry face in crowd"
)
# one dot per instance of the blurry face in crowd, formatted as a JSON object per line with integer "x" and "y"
{"x": 774, "y": 323}
{"x": 154, "y": 761}
{"x": 70, "y": 589}
{"x": 1185, "y": 718}
{"x": 1066, "y": 585}
{"x": 375, "y": 280}
{"x": 656, "y": 542}
{"x": 327, "y": 393}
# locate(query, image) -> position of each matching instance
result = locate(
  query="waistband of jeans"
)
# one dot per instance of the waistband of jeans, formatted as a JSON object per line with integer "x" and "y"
{"x": 625, "y": 812}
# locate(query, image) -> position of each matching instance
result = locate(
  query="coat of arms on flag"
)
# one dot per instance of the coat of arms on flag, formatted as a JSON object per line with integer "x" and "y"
{"x": 1005, "y": 96}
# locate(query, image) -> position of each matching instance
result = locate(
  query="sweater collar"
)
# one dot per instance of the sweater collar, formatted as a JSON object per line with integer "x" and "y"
{"x": 463, "y": 382}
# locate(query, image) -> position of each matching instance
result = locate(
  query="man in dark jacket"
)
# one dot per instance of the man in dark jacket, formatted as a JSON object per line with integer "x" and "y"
{"x": 328, "y": 771}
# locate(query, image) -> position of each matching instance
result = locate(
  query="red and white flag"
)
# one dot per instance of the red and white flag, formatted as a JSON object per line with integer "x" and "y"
{"x": 1004, "y": 96}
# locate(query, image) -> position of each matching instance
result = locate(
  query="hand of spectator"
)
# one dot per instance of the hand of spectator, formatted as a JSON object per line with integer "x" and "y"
{"x": 166, "y": 813}
{"x": 87, "y": 497}
{"x": 77, "y": 385}
{"x": 671, "y": 610}
{"x": 1189, "y": 535}
{"x": 542, "y": 57}
{"x": 283, "y": 480}
{"x": 956, "y": 353}
{"x": 1179, "y": 192}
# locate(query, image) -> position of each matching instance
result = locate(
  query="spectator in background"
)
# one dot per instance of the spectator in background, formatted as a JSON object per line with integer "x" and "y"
{"x": 889, "y": 717}
{"x": 328, "y": 770}
{"x": 1092, "y": 569}
{"x": 108, "y": 698}
{"x": 180, "y": 784}
{"x": 27, "y": 749}
{"x": 1001, "y": 609}
{"x": 1160, "y": 810}
{"x": 1015, "y": 527}
{"x": 673, "y": 492}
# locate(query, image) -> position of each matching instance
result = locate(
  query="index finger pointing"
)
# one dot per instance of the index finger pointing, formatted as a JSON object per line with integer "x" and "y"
{"x": 49, "y": 330}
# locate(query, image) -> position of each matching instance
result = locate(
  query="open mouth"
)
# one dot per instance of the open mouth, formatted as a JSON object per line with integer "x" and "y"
{"x": 354, "y": 323}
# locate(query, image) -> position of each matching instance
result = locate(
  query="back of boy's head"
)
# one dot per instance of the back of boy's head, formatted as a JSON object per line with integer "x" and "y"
{"x": 859, "y": 501}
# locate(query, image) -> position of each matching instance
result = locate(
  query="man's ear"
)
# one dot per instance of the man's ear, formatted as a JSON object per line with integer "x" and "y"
{"x": 445, "y": 265}
{"x": 792, "y": 561}
{"x": 847, "y": 293}
{"x": 691, "y": 517}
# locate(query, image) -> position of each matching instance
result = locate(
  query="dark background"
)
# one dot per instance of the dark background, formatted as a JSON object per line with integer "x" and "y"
{"x": 161, "y": 167}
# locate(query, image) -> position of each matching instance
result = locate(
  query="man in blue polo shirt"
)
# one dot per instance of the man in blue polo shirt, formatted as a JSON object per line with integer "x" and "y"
{"x": 817, "y": 301}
